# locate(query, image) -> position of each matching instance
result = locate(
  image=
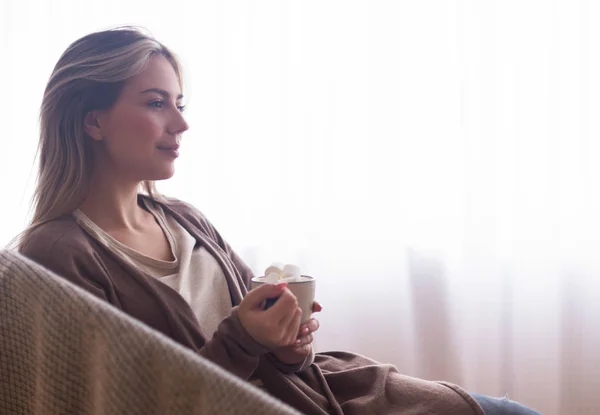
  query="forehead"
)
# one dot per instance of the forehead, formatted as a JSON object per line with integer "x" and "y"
{"x": 159, "y": 74}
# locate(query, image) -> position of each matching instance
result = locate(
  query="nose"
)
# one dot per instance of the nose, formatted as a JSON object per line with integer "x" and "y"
{"x": 178, "y": 125}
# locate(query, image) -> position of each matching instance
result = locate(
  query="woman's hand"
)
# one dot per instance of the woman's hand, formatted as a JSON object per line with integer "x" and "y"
{"x": 276, "y": 327}
{"x": 302, "y": 347}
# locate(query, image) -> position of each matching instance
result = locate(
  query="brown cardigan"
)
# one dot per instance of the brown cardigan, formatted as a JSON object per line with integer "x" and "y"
{"x": 336, "y": 383}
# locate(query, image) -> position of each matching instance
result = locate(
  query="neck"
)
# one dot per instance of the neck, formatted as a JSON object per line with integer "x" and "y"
{"x": 113, "y": 204}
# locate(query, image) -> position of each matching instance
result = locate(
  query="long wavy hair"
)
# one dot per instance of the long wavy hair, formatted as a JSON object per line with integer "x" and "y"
{"x": 89, "y": 75}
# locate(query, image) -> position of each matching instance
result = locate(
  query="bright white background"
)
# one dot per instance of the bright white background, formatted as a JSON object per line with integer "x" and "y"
{"x": 433, "y": 163}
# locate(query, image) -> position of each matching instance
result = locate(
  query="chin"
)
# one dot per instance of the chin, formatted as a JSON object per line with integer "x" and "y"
{"x": 165, "y": 176}
{"x": 162, "y": 174}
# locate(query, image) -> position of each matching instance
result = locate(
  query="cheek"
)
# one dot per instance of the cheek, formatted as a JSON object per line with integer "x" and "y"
{"x": 138, "y": 131}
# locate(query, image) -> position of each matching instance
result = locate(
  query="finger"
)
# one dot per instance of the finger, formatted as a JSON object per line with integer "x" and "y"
{"x": 284, "y": 308}
{"x": 303, "y": 330}
{"x": 310, "y": 326}
{"x": 286, "y": 319}
{"x": 304, "y": 340}
{"x": 316, "y": 307}
{"x": 306, "y": 328}
{"x": 263, "y": 292}
{"x": 292, "y": 329}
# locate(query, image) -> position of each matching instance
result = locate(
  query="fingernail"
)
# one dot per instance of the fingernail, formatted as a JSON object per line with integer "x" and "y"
{"x": 305, "y": 330}
{"x": 297, "y": 341}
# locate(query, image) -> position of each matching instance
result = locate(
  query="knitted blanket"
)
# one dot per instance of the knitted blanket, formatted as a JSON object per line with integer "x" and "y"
{"x": 63, "y": 351}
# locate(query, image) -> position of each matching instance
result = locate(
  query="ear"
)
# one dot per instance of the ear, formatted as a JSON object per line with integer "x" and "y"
{"x": 91, "y": 124}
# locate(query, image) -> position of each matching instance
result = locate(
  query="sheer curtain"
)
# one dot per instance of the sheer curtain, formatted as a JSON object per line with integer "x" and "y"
{"x": 433, "y": 164}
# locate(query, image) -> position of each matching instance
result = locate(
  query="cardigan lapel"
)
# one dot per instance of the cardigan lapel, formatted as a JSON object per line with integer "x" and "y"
{"x": 237, "y": 289}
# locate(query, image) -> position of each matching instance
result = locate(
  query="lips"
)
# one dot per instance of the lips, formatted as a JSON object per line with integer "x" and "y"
{"x": 168, "y": 147}
{"x": 170, "y": 150}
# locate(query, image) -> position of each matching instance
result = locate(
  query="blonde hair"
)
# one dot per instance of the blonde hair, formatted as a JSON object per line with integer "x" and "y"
{"x": 88, "y": 76}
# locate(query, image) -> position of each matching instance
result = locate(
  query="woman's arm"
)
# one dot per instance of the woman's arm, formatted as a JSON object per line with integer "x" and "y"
{"x": 307, "y": 355}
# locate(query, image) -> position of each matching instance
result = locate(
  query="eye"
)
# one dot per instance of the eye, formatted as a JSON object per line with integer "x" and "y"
{"x": 156, "y": 104}
{"x": 181, "y": 108}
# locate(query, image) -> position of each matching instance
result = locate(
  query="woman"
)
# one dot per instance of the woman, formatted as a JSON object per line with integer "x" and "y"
{"x": 111, "y": 125}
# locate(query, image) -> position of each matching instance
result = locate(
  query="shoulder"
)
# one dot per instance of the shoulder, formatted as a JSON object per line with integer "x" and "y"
{"x": 64, "y": 248}
{"x": 58, "y": 237}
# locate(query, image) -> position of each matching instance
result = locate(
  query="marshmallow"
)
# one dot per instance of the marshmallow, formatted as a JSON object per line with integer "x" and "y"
{"x": 291, "y": 271}
{"x": 277, "y": 272}
{"x": 275, "y": 267}
{"x": 272, "y": 278}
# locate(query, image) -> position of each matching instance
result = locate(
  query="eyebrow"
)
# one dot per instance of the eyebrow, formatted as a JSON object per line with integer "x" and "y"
{"x": 162, "y": 92}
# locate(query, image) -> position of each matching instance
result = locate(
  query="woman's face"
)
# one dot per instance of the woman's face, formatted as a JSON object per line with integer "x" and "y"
{"x": 139, "y": 136}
